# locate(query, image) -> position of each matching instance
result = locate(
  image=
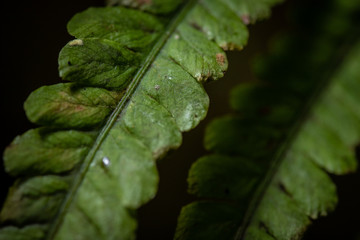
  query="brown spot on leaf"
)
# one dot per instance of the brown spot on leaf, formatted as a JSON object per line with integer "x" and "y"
{"x": 79, "y": 108}
{"x": 246, "y": 19}
{"x": 220, "y": 58}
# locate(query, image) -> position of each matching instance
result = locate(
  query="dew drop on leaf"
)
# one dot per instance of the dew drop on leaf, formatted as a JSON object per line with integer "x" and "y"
{"x": 106, "y": 162}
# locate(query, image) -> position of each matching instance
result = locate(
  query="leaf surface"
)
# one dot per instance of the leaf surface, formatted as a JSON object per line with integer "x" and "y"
{"x": 268, "y": 175}
{"x": 136, "y": 84}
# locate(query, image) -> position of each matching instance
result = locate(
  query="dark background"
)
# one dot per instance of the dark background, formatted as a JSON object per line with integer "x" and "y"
{"x": 32, "y": 34}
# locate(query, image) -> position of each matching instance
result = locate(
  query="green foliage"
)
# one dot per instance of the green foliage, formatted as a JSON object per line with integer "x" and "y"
{"x": 136, "y": 78}
{"x": 135, "y": 86}
{"x": 267, "y": 177}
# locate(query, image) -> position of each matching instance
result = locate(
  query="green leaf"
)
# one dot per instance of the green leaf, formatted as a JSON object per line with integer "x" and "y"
{"x": 71, "y": 106}
{"x": 42, "y": 150}
{"x": 268, "y": 175}
{"x": 136, "y": 85}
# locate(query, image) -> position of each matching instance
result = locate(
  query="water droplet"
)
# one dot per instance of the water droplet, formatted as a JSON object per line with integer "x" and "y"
{"x": 157, "y": 87}
{"x": 176, "y": 36}
{"x": 169, "y": 77}
{"x": 106, "y": 162}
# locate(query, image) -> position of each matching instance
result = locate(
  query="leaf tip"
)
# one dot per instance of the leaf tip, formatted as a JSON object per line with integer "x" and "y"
{"x": 76, "y": 42}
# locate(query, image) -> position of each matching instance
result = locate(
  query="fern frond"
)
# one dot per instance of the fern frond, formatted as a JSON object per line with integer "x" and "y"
{"x": 268, "y": 175}
{"x": 136, "y": 85}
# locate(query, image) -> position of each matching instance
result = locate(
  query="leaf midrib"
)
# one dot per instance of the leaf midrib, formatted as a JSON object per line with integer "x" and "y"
{"x": 182, "y": 12}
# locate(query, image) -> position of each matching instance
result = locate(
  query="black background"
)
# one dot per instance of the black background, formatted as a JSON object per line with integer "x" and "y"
{"x": 32, "y": 34}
